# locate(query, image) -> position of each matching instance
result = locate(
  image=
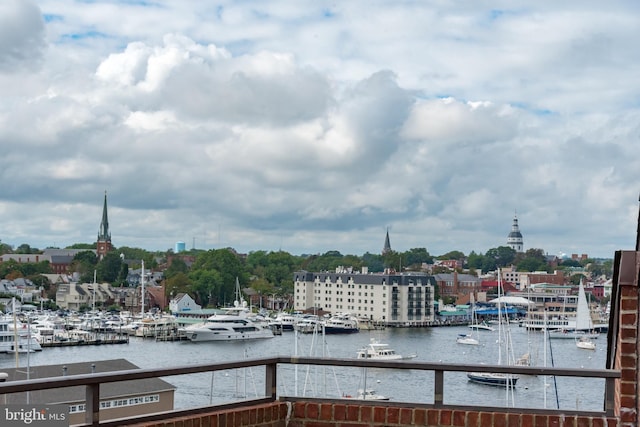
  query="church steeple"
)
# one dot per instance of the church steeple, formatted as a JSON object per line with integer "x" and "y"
{"x": 514, "y": 239}
{"x": 387, "y": 245}
{"x": 104, "y": 236}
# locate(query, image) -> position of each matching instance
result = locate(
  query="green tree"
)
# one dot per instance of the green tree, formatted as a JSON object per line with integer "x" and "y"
{"x": 87, "y": 246}
{"x": 177, "y": 266}
{"x": 453, "y": 255}
{"x": 176, "y": 284}
{"x": 214, "y": 273}
{"x": 108, "y": 269}
{"x": 373, "y": 262}
{"x": 26, "y": 249}
{"x": 475, "y": 260}
{"x": 415, "y": 257}
{"x": 502, "y": 256}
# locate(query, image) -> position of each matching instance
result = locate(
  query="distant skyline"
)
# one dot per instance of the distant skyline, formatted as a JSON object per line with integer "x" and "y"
{"x": 317, "y": 126}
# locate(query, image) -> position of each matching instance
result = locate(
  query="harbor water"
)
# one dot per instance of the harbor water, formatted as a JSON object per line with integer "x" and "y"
{"x": 430, "y": 344}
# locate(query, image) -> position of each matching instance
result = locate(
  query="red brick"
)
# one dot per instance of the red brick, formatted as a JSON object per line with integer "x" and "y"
{"x": 366, "y": 414}
{"x": 472, "y": 419}
{"x": 419, "y": 416}
{"x": 597, "y": 422}
{"x": 445, "y": 417}
{"x": 326, "y": 411}
{"x": 433, "y": 417}
{"x": 540, "y": 420}
{"x": 393, "y": 415}
{"x": 628, "y": 333}
{"x": 339, "y": 412}
{"x": 513, "y": 420}
{"x": 459, "y": 418}
{"x": 353, "y": 413}
{"x": 379, "y": 414}
{"x": 583, "y": 422}
{"x": 312, "y": 411}
{"x": 526, "y": 420}
{"x": 406, "y": 416}
{"x": 319, "y": 424}
{"x": 486, "y": 419}
{"x": 499, "y": 419}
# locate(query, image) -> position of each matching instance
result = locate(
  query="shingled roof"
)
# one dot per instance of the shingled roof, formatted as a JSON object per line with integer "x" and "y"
{"x": 77, "y": 394}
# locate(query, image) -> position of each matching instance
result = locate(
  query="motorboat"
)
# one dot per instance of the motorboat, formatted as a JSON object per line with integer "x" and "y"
{"x": 482, "y": 326}
{"x": 17, "y": 337}
{"x": 232, "y": 325}
{"x": 467, "y": 339}
{"x": 571, "y": 334}
{"x": 585, "y": 344}
{"x": 376, "y": 350}
{"x": 370, "y": 394}
{"x": 342, "y": 323}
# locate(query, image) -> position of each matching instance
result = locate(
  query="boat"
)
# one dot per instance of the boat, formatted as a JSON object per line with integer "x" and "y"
{"x": 233, "y": 324}
{"x": 482, "y": 326}
{"x": 467, "y": 339}
{"x": 507, "y": 380}
{"x": 571, "y": 334}
{"x": 370, "y": 394}
{"x": 585, "y": 343}
{"x": 16, "y": 337}
{"x": 376, "y": 350}
{"x": 341, "y": 323}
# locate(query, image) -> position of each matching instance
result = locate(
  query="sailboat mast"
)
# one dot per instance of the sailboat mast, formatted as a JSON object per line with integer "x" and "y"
{"x": 142, "y": 292}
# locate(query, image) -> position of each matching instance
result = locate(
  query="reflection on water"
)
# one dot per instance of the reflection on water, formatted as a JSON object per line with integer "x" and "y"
{"x": 430, "y": 344}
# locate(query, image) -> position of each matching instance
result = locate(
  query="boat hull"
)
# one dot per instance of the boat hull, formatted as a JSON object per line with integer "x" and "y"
{"x": 493, "y": 379}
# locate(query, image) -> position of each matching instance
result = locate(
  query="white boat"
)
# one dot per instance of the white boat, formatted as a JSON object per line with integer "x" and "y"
{"x": 234, "y": 324}
{"x": 466, "y": 339}
{"x": 376, "y": 350}
{"x": 16, "y": 337}
{"x": 341, "y": 323}
{"x": 585, "y": 344}
{"x": 571, "y": 334}
{"x": 370, "y": 394}
{"x": 482, "y": 326}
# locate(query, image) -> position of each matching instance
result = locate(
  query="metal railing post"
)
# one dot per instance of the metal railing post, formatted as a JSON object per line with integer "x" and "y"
{"x": 438, "y": 391}
{"x": 92, "y": 405}
{"x": 271, "y": 380}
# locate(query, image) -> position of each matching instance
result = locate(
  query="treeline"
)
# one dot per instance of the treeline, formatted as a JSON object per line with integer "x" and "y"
{"x": 211, "y": 277}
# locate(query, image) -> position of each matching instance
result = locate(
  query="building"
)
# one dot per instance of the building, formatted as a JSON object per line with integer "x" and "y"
{"x": 71, "y": 296}
{"x": 455, "y": 285}
{"x": 514, "y": 239}
{"x": 396, "y": 299}
{"x": 103, "y": 245}
{"x": 59, "y": 259}
{"x": 117, "y": 400}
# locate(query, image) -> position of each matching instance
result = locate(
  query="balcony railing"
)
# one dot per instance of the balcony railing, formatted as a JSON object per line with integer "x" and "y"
{"x": 272, "y": 366}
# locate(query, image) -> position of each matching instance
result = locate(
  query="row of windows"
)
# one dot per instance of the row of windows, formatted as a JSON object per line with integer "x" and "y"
{"x": 118, "y": 403}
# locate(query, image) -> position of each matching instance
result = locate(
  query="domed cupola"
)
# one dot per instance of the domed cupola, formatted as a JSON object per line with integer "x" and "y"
{"x": 514, "y": 240}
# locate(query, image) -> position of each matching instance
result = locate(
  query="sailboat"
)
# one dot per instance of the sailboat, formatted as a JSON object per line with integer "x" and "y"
{"x": 583, "y": 323}
{"x": 497, "y": 378}
{"x": 468, "y": 339}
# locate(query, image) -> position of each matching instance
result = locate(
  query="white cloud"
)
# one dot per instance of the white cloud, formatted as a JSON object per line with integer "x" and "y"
{"x": 309, "y": 128}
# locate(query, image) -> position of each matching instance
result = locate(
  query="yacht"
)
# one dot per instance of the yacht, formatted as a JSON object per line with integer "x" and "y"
{"x": 233, "y": 324}
{"x": 341, "y": 323}
{"x": 17, "y": 337}
{"x": 376, "y": 350}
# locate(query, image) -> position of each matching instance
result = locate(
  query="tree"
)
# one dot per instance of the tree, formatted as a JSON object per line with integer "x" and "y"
{"x": 176, "y": 284}
{"x": 84, "y": 263}
{"x": 475, "y": 260}
{"x": 109, "y": 267}
{"x": 452, "y": 255}
{"x": 26, "y": 249}
{"x": 374, "y": 262}
{"x": 177, "y": 266}
{"x": 416, "y": 257}
{"x": 87, "y": 246}
{"x": 214, "y": 272}
{"x": 502, "y": 256}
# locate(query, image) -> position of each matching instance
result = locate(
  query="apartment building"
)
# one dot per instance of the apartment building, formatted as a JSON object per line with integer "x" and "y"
{"x": 396, "y": 299}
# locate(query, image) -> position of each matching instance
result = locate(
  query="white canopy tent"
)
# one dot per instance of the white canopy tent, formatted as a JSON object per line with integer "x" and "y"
{"x": 512, "y": 301}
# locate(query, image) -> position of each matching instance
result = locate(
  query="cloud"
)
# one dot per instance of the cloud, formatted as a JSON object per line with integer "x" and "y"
{"x": 22, "y": 36}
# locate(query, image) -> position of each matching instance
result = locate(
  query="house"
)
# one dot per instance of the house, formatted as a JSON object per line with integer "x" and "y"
{"x": 71, "y": 296}
{"x": 117, "y": 400}
{"x": 183, "y": 303}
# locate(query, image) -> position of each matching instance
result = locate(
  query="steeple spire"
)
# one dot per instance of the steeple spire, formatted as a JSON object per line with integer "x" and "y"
{"x": 387, "y": 244}
{"x": 104, "y": 225}
{"x": 103, "y": 246}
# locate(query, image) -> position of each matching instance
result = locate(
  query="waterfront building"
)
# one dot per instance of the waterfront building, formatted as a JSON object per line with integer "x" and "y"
{"x": 396, "y": 299}
{"x": 514, "y": 239}
{"x": 71, "y": 296}
{"x": 117, "y": 400}
{"x": 103, "y": 245}
{"x": 457, "y": 285}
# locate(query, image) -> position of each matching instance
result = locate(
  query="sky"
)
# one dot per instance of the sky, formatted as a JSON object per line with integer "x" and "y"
{"x": 309, "y": 126}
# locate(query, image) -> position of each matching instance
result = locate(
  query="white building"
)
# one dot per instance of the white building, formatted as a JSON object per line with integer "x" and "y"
{"x": 395, "y": 299}
{"x": 183, "y": 303}
{"x": 514, "y": 239}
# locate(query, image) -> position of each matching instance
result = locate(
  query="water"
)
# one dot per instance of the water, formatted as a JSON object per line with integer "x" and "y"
{"x": 430, "y": 344}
